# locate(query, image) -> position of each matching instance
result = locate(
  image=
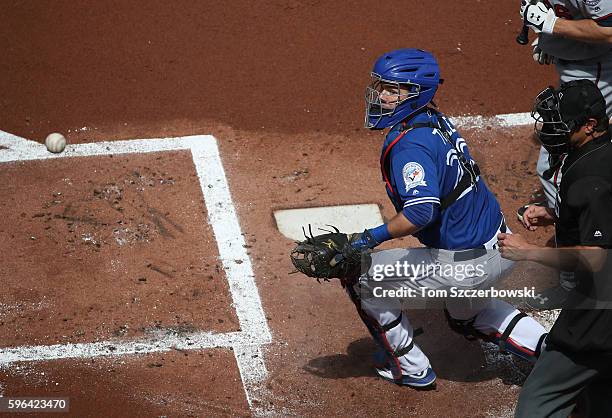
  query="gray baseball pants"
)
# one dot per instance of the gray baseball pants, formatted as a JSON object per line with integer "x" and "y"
{"x": 558, "y": 380}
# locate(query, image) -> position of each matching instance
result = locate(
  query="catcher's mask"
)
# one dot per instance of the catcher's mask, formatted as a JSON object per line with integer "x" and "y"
{"x": 561, "y": 112}
{"x": 403, "y": 82}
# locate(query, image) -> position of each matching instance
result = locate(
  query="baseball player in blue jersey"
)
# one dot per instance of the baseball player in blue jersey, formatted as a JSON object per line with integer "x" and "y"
{"x": 440, "y": 198}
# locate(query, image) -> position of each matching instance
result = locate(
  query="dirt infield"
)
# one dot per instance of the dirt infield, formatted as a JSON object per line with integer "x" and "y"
{"x": 285, "y": 65}
{"x": 121, "y": 256}
{"x": 112, "y": 249}
{"x": 143, "y": 386}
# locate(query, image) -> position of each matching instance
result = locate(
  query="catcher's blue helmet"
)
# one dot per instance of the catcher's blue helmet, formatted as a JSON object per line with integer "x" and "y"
{"x": 403, "y": 82}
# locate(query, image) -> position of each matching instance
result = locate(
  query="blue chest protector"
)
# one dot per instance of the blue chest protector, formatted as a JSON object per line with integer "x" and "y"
{"x": 424, "y": 161}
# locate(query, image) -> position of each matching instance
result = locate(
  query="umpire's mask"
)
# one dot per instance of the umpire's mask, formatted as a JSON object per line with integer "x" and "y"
{"x": 559, "y": 113}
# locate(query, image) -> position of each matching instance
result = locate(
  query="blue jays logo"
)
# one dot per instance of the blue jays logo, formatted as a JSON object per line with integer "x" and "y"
{"x": 414, "y": 175}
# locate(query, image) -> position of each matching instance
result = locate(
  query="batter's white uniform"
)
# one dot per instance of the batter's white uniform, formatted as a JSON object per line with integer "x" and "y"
{"x": 577, "y": 60}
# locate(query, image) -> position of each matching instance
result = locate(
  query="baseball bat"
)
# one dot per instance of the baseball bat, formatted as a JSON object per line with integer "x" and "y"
{"x": 523, "y": 37}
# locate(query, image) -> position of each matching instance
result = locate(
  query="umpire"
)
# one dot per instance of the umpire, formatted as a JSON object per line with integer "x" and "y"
{"x": 577, "y": 360}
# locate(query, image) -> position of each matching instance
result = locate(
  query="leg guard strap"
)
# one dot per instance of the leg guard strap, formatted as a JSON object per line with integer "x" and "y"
{"x": 504, "y": 337}
{"x": 392, "y": 324}
{"x": 404, "y": 351}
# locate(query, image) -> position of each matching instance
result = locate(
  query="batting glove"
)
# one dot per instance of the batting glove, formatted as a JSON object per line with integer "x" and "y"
{"x": 540, "y": 56}
{"x": 538, "y": 17}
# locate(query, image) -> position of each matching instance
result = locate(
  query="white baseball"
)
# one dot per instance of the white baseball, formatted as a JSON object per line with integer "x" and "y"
{"x": 55, "y": 142}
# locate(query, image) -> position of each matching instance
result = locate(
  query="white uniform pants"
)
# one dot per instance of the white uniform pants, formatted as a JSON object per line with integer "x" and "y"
{"x": 392, "y": 329}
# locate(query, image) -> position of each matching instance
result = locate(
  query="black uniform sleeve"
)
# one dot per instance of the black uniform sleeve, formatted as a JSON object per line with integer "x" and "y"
{"x": 591, "y": 199}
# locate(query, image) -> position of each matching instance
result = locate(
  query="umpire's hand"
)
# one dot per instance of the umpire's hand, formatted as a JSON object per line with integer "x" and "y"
{"x": 514, "y": 247}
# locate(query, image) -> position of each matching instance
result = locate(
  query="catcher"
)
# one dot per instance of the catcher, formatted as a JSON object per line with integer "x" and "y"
{"x": 441, "y": 199}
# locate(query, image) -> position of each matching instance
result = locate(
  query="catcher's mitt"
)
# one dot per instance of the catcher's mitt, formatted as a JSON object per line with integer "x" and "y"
{"x": 329, "y": 256}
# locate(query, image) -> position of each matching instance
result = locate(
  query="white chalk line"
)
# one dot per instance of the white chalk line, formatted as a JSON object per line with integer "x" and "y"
{"x": 232, "y": 247}
{"x": 191, "y": 341}
{"x": 254, "y": 330}
{"x": 506, "y": 120}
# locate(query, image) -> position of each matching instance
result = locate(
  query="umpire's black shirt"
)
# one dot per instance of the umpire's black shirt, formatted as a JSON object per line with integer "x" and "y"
{"x": 585, "y": 218}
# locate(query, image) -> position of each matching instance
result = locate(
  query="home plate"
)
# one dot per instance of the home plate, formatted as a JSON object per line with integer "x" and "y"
{"x": 347, "y": 218}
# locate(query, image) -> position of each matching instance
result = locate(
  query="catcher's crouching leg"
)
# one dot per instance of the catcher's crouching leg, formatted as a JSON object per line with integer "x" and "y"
{"x": 500, "y": 323}
{"x": 399, "y": 359}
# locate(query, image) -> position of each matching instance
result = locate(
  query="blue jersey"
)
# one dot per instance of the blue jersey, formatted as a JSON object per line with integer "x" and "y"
{"x": 421, "y": 168}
